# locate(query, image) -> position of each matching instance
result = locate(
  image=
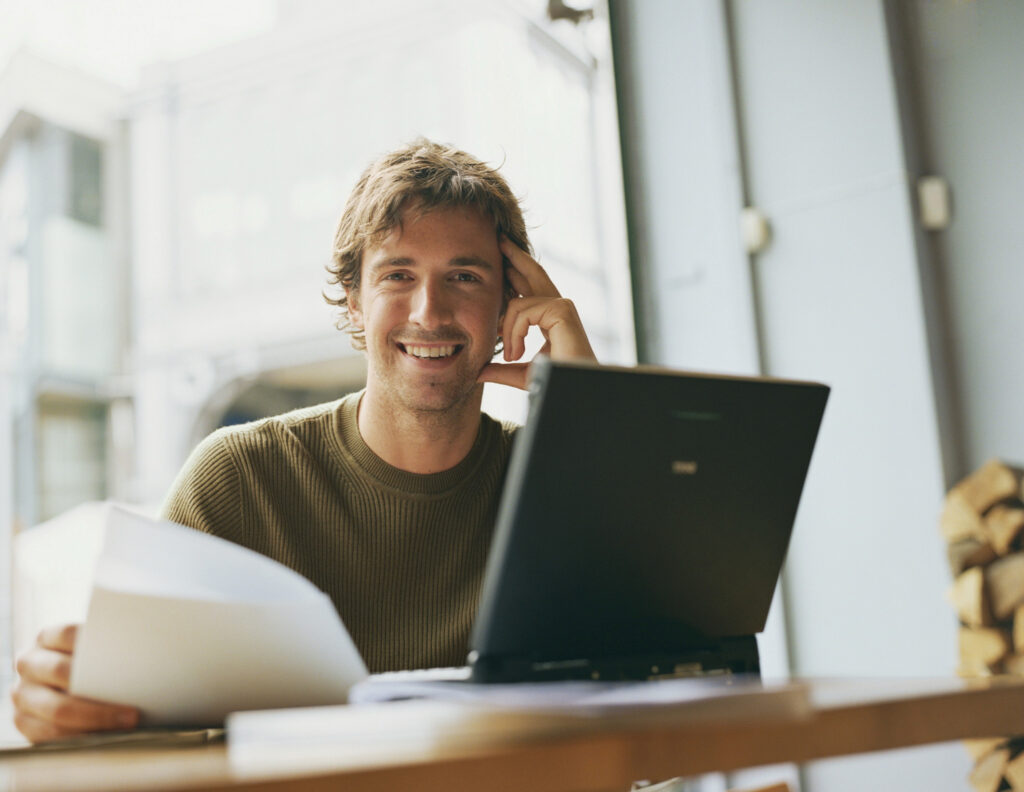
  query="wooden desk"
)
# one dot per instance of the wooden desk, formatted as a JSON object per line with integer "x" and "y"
{"x": 541, "y": 754}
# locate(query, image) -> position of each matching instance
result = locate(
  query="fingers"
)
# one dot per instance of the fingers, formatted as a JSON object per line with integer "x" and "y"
{"x": 558, "y": 321}
{"x": 37, "y": 730}
{"x": 45, "y": 667}
{"x": 516, "y": 324}
{"x": 527, "y": 277}
{"x": 43, "y": 708}
{"x": 60, "y": 638}
{"x": 47, "y": 712}
{"x": 540, "y": 306}
{"x": 518, "y": 281}
{"x": 49, "y": 661}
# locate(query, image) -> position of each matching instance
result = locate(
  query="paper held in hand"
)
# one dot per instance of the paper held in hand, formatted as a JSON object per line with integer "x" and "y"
{"x": 189, "y": 627}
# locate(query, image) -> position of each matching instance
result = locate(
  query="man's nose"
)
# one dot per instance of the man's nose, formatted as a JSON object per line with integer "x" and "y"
{"x": 430, "y": 305}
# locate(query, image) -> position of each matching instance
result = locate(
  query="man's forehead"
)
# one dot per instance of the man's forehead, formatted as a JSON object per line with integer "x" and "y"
{"x": 478, "y": 244}
{"x": 415, "y": 208}
{"x": 415, "y": 213}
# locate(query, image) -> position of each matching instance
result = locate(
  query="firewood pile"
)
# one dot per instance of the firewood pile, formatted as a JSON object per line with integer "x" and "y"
{"x": 983, "y": 525}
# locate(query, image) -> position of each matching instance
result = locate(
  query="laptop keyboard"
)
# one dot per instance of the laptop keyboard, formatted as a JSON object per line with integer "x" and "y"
{"x": 442, "y": 674}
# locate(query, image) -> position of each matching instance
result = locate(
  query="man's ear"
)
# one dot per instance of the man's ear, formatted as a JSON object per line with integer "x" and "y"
{"x": 355, "y": 313}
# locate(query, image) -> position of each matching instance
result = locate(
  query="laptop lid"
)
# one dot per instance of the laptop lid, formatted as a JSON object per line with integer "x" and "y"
{"x": 644, "y": 512}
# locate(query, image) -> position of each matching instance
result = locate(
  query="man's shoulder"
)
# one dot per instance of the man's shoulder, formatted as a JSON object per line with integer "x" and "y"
{"x": 504, "y": 429}
{"x": 272, "y": 431}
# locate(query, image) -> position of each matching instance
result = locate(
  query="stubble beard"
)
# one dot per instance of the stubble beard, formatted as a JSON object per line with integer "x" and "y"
{"x": 438, "y": 402}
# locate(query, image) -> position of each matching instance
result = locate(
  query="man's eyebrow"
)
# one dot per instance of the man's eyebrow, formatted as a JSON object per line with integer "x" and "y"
{"x": 386, "y": 263}
{"x": 471, "y": 261}
{"x": 405, "y": 261}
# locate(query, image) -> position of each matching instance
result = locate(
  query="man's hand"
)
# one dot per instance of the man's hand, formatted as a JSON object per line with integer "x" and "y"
{"x": 43, "y": 708}
{"x": 539, "y": 305}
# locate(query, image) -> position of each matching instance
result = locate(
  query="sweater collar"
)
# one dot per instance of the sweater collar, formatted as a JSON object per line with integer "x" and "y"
{"x": 352, "y": 445}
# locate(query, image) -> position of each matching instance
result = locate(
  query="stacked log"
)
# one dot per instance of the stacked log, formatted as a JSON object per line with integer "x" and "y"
{"x": 983, "y": 525}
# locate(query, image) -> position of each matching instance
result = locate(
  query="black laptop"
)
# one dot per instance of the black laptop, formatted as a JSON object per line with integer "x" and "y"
{"x": 643, "y": 525}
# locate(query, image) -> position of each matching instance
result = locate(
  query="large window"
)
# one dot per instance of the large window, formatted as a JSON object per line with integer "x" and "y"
{"x": 170, "y": 247}
{"x": 71, "y": 455}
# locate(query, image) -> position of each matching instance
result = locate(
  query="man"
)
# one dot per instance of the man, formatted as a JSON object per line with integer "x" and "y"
{"x": 385, "y": 499}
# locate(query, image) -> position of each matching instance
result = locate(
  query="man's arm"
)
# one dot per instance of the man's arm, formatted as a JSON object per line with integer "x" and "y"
{"x": 538, "y": 305}
{"x": 206, "y": 494}
{"x": 43, "y": 708}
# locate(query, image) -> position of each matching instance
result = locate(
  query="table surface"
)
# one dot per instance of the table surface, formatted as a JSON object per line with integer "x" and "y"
{"x": 438, "y": 746}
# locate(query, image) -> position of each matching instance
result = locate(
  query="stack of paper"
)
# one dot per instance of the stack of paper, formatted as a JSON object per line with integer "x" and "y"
{"x": 189, "y": 627}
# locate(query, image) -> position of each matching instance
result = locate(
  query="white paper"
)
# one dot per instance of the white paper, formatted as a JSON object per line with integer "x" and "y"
{"x": 188, "y": 628}
{"x": 577, "y": 697}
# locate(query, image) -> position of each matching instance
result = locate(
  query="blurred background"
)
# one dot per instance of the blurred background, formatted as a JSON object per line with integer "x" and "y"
{"x": 819, "y": 190}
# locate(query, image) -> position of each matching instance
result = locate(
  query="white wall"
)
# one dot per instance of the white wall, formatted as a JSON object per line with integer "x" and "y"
{"x": 837, "y": 296}
{"x": 968, "y": 68}
{"x": 840, "y": 300}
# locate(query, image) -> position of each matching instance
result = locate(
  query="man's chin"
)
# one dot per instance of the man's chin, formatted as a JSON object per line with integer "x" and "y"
{"x": 442, "y": 399}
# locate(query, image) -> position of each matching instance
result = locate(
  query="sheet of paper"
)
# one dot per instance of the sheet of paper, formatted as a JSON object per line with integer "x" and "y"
{"x": 581, "y": 698}
{"x": 189, "y": 628}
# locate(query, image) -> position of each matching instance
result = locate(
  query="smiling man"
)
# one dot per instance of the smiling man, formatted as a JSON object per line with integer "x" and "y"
{"x": 428, "y": 302}
{"x": 386, "y": 499}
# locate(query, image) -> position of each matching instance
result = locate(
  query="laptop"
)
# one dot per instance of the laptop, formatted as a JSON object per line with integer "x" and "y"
{"x": 643, "y": 523}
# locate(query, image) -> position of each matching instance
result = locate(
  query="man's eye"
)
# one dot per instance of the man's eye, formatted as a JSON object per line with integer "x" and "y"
{"x": 466, "y": 277}
{"x": 395, "y": 276}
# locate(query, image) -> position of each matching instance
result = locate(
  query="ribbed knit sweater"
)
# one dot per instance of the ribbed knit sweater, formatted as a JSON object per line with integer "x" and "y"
{"x": 400, "y": 554}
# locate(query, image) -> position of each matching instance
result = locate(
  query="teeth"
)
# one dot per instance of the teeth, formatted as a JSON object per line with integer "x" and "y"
{"x": 430, "y": 352}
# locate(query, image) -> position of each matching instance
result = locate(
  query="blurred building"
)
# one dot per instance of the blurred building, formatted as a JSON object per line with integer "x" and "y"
{"x": 63, "y": 296}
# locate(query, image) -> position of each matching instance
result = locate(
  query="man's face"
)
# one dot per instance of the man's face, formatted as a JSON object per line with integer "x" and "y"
{"x": 429, "y": 301}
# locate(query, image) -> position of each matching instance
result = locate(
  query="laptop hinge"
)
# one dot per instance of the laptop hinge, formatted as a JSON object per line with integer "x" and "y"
{"x": 728, "y": 657}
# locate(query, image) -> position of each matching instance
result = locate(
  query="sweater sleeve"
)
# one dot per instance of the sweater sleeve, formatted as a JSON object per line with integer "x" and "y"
{"x": 206, "y": 495}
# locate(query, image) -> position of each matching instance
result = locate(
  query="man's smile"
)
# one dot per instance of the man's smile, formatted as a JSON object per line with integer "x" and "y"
{"x": 430, "y": 351}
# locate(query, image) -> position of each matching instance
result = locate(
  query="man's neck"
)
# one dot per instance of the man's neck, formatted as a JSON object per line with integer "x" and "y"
{"x": 418, "y": 441}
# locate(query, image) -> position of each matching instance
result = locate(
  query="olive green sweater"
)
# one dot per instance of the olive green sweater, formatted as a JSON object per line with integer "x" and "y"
{"x": 400, "y": 554}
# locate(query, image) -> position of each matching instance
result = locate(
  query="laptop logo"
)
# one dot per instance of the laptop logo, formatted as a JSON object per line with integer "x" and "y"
{"x": 695, "y": 415}
{"x": 684, "y": 467}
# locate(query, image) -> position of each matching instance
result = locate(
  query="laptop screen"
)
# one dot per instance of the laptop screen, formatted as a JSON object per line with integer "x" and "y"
{"x": 644, "y": 511}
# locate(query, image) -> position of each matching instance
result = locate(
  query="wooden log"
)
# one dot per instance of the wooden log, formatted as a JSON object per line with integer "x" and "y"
{"x": 1004, "y": 579}
{"x": 968, "y": 553}
{"x": 1003, "y": 525}
{"x": 1018, "y": 630}
{"x": 992, "y": 482}
{"x": 988, "y": 772}
{"x": 976, "y": 749}
{"x": 970, "y": 599}
{"x": 1014, "y": 664}
{"x": 1014, "y": 772}
{"x": 959, "y": 520}
{"x": 981, "y": 650}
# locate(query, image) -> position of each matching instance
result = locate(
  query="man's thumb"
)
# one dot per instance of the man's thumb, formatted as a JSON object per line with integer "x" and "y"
{"x": 515, "y": 375}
